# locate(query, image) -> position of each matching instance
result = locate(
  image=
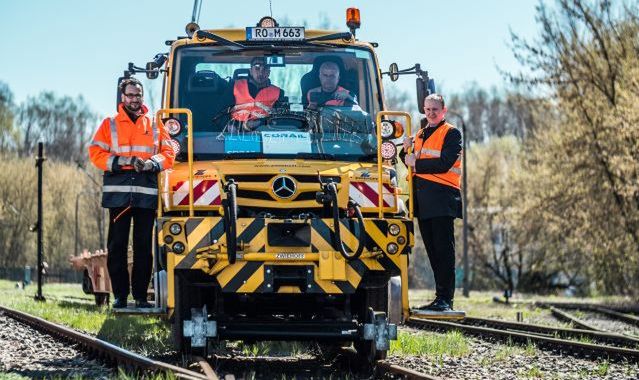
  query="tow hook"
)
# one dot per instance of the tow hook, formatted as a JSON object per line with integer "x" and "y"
{"x": 199, "y": 327}
{"x": 380, "y": 331}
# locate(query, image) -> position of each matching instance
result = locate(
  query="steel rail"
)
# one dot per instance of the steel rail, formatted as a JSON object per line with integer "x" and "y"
{"x": 110, "y": 353}
{"x": 621, "y": 353}
{"x": 562, "y": 315}
{"x": 628, "y": 318}
{"x": 589, "y": 306}
{"x": 407, "y": 373}
{"x": 602, "y": 337}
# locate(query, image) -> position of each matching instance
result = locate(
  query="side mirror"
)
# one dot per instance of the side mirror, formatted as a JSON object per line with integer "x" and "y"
{"x": 393, "y": 72}
{"x": 422, "y": 93}
{"x": 151, "y": 71}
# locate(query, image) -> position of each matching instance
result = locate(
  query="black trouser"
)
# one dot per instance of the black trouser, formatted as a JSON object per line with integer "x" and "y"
{"x": 118, "y": 242}
{"x": 439, "y": 238}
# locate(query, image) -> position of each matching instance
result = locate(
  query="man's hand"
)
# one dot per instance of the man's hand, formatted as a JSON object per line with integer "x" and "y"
{"x": 408, "y": 142}
{"x": 143, "y": 166}
{"x": 410, "y": 160}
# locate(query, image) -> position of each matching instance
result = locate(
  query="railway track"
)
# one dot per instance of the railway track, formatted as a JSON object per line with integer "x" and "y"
{"x": 106, "y": 352}
{"x": 543, "y": 339}
{"x": 134, "y": 363}
{"x": 621, "y": 323}
{"x": 618, "y": 340}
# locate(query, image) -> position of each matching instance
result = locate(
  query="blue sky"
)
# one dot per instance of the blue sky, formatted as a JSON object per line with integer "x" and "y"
{"x": 78, "y": 47}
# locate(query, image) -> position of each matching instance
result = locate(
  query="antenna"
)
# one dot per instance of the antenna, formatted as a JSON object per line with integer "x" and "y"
{"x": 270, "y": 7}
{"x": 197, "y": 6}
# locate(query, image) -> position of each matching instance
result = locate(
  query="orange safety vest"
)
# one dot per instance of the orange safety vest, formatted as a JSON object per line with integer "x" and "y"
{"x": 119, "y": 136}
{"x": 432, "y": 148}
{"x": 249, "y": 108}
{"x": 340, "y": 95}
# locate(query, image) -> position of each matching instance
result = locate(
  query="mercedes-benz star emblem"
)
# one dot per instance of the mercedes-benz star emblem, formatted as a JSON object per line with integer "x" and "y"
{"x": 284, "y": 187}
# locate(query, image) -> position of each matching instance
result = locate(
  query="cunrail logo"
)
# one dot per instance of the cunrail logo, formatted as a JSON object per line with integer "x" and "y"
{"x": 284, "y": 187}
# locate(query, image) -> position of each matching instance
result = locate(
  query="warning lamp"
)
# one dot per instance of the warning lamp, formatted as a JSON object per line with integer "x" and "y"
{"x": 352, "y": 19}
{"x": 399, "y": 129}
{"x": 387, "y": 129}
{"x": 267, "y": 22}
{"x": 176, "y": 146}
{"x": 388, "y": 149}
{"x": 173, "y": 126}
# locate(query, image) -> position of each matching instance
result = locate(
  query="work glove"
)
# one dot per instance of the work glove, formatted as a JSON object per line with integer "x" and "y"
{"x": 145, "y": 166}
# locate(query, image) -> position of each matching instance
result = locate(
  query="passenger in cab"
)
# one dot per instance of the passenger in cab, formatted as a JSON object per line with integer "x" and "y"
{"x": 255, "y": 96}
{"x": 329, "y": 93}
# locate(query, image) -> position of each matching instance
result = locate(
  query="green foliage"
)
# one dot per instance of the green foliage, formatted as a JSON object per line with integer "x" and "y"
{"x": 580, "y": 180}
{"x": 452, "y": 344}
{"x": 141, "y": 334}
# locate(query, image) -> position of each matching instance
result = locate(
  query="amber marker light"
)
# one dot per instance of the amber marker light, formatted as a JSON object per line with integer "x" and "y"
{"x": 352, "y": 18}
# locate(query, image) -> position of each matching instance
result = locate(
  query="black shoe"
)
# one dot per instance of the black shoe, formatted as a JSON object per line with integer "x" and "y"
{"x": 142, "y": 304}
{"x": 120, "y": 303}
{"x": 427, "y": 306}
{"x": 440, "y": 304}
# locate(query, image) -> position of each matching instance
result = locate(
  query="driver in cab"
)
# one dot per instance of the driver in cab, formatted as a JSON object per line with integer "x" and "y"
{"x": 255, "y": 97}
{"x": 329, "y": 93}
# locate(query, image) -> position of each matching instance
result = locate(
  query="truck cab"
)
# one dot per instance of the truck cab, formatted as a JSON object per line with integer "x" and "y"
{"x": 284, "y": 221}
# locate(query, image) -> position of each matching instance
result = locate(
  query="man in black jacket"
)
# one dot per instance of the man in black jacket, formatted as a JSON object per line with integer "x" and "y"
{"x": 436, "y": 165}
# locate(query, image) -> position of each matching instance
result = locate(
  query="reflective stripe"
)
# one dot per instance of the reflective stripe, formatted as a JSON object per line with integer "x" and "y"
{"x": 114, "y": 135}
{"x": 101, "y": 144}
{"x": 456, "y": 170}
{"x": 134, "y": 148}
{"x": 129, "y": 189}
{"x": 432, "y": 152}
{"x": 156, "y": 138}
{"x": 109, "y": 163}
{"x": 158, "y": 158}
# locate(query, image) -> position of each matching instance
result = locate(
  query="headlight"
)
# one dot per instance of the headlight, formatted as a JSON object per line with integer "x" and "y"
{"x": 393, "y": 229}
{"x": 392, "y": 248}
{"x": 178, "y": 247}
{"x": 387, "y": 129}
{"x": 173, "y": 126}
{"x": 401, "y": 240}
{"x": 389, "y": 150}
{"x": 175, "y": 229}
{"x": 176, "y": 146}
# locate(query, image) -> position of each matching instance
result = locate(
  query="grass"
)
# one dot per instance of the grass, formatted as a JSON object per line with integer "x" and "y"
{"x": 66, "y": 304}
{"x": 452, "y": 344}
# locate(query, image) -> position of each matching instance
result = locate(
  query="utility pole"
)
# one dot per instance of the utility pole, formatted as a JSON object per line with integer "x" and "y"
{"x": 465, "y": 284}
{"x": 39, "y": 164}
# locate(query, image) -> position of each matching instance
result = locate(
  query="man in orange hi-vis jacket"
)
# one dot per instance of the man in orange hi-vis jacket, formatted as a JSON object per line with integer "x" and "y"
{"x": 131, "y": 150}
{"x": 436, "y": 163}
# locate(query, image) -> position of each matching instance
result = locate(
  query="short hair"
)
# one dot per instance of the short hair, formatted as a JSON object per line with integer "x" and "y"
{"x": 437, "y": 98}
{"x": 130, "y": 82}
{"x": 329, "y": 65}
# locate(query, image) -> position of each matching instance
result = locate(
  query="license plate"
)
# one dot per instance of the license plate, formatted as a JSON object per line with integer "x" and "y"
{"x": 290, "y": 256}
{"x": 275, "y": 34}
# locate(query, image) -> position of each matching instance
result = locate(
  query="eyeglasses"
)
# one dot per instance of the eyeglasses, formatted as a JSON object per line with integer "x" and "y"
{"x": 133, "y": 96}
{"x": 261, "y": 66}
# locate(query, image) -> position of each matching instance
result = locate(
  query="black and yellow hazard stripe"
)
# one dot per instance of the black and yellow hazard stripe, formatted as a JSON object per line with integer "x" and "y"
{"x": 255, "y": 277}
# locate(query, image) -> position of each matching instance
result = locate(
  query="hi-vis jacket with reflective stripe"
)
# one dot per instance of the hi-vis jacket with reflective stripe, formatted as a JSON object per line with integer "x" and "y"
{"x": 432, "y": 148}
{"x": 120, "y": 137}
{"x": 340, "y": 97}
{"x": 249, "y": 108}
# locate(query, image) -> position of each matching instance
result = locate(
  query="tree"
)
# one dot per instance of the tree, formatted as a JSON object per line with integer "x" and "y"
{"x": 63, "y": 123}
{"x": 584, "y": 176}
{"x": 8, "y": 132}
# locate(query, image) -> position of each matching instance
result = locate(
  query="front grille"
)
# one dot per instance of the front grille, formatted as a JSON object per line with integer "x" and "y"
{"x": 302, "y": 178}
{"x": 252, "y": 194}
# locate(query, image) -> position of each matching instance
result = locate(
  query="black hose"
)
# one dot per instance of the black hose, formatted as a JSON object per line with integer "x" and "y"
{"x": 360, "y": 219}
{"x": 230, "y": 214}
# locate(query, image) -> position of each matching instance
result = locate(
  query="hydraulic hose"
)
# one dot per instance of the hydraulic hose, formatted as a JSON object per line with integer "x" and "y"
{"x": 230, "y": 216}
{"x": 332, "y": 190}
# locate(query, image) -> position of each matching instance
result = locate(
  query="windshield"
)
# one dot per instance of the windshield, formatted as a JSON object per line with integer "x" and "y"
{"x": 310, "y": 102}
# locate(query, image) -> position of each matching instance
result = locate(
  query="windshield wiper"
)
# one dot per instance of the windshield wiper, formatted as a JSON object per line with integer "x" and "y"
{"x": 334, "y": 36}
{"x": 315, "y": 156}
{"x": 231, "y": 44}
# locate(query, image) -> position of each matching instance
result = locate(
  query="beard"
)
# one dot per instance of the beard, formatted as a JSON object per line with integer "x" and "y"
{"x": 133, "y": 107}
